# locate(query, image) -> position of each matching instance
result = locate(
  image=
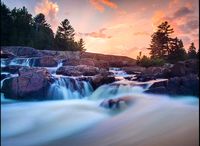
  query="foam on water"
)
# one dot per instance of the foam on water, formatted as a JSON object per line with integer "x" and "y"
{"x": 40, "y": 122}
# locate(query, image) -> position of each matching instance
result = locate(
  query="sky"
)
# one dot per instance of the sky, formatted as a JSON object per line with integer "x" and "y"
{"x": 119, "y": 27}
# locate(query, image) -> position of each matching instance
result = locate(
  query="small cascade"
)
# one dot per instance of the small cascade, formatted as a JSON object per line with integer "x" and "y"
{"x": 118, "y": 72}
{"x": 52, "y": 70}
{"x": 114, "y": 91}
{"x": 69, "y": 88}
{"x": 17, "y": 61}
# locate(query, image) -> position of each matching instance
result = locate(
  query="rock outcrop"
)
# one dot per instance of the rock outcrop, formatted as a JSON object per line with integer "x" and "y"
{"x": 32, "y": 83}
{"x": 185, "y": 85}
{"x": 78, "y": 70}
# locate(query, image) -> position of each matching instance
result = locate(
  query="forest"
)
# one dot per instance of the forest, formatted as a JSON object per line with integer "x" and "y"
{"x": 20, "y": 28}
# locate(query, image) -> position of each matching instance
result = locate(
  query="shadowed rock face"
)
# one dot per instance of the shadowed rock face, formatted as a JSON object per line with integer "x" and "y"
{"x": 32, "y": 83}
{"x": 185, "y": 85}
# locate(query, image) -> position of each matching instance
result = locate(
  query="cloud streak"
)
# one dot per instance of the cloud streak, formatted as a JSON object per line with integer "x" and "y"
{"x": 50, "y": 10}
{"x": 98, "y": 34}
{"x": 100, "y": 4}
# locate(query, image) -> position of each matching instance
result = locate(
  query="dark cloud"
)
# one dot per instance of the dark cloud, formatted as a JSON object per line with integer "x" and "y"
{"x": 98, "y": 34}
{"x": 182, "y": 12}
{"x": 190, "y": 26}
{"x": 193, "y": 24}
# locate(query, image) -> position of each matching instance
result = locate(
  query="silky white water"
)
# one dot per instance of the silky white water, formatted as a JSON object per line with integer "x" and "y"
{"x": 60, "y": 122}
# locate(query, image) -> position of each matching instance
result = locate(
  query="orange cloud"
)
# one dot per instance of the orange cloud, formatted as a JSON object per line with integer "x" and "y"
{"x": 50, "y": 10}
{"x": 109, "y": 4}
{"x": 99, "y": 4}
{"x": 157, "y": 18}
{"x": 141, "y": 33}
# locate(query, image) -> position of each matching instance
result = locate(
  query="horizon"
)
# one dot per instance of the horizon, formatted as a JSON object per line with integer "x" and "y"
{"x": 115, "y": 27}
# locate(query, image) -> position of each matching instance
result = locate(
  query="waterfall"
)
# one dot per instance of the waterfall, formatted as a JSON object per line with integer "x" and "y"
{"x": 69, "y": 88}
{"x": 17, "y": 61}
{"x": 52, "y": 70}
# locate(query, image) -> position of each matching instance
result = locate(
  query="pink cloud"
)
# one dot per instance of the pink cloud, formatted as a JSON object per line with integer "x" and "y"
{"x": 98, "y": 34}
{"x": 50, "y": 10}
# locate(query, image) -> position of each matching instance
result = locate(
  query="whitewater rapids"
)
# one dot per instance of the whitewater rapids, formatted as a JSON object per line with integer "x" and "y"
{"x": 150, "y": 121}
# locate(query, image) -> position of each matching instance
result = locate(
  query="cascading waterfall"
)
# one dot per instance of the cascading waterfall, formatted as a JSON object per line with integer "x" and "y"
{"x": 38, "y": 123}
{"x": 69, "y": 88}
{"x": 18, "y": 61}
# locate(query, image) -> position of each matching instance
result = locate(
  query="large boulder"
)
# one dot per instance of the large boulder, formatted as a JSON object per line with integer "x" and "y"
{"x": 46, "y": 61}
{"x": 101, "y": 79}
{"x": 32, "y": 83}
{"x": 68, "y": 71}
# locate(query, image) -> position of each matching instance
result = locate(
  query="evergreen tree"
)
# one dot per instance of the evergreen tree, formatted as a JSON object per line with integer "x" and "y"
{"x": 43, "y": 34}
{"x": 159, "y": 47}
{"x": 81, "y": 44}
{"x": 176, "y": 51}
{"x": 192, "y": 51}
{"x": 6, "y": 25}
{"x": 64, "y": 39}
{"x": 21, "y": 21}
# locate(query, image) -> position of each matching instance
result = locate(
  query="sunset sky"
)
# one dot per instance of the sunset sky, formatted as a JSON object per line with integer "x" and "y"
{"x": 120, "y": 27}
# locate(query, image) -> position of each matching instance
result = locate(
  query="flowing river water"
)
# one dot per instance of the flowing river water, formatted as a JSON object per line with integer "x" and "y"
{"x": 77, "y": 119}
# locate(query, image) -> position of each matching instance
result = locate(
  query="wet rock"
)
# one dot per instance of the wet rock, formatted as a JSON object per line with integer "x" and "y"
{"x": 158, "y": 90}
{"x": 3, "y": 76}
{"x": 100, "y": 79}
{"x": 68, "y": 71}
{"x": 5, "y": 54}
{"x": 13, "y": 69}
{"x": 117, "y": 103}
{"x": 185, "y": 85}
{"x": 31, "y": 84}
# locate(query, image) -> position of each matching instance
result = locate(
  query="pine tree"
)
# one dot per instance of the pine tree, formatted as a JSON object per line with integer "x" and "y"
{"x": 192, "y": 51}
{"x": 159, "y": 47}
{"x": 81, "y": 44}
{"x": 64, "y": 39}
{"x": 43, "y": 34}
{"x": 176, "y": 51}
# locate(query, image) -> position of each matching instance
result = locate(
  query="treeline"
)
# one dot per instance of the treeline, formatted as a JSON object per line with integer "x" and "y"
{"x": 166, "y": 49}
{"x": 19, "y": 28}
